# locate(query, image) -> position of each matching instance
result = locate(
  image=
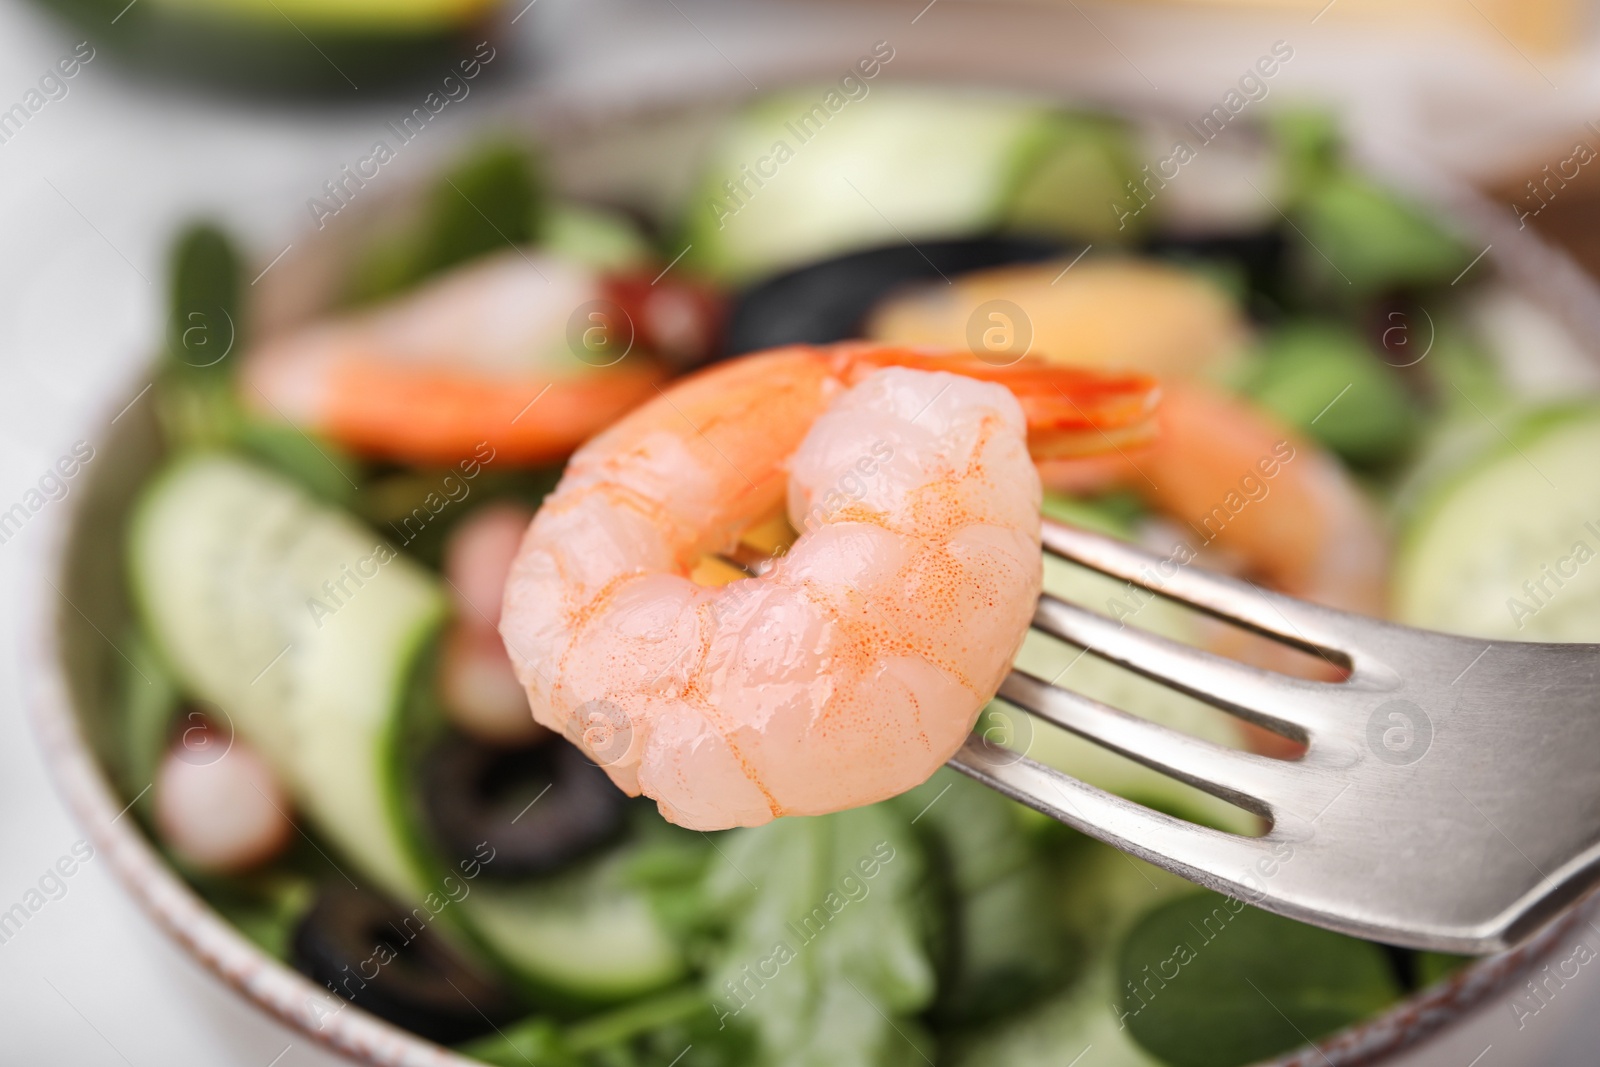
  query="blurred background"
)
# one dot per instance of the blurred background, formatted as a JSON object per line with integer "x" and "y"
{"x": 239, "y": 108}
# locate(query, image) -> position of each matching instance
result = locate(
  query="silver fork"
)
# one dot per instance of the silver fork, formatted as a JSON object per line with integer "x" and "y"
{"x": 1448, "y": 798}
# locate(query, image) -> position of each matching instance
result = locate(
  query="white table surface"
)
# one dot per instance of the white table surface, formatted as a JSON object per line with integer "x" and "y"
{"x": 90, "y": 191}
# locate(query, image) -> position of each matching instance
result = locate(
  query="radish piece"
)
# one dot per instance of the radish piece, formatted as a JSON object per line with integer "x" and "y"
{"x": 218, "y": 805}
{"x": 480, "y": 692}
{"x": 477, "y": 559}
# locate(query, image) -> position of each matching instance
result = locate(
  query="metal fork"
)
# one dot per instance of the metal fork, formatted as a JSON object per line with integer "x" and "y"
{"x": 1448, "y": 798}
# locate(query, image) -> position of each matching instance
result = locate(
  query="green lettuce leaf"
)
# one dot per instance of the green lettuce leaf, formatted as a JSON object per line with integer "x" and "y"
{"x": 824, "y": 957}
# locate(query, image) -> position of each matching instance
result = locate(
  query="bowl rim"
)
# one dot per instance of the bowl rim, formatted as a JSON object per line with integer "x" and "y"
{"x": 344, "y": 1029}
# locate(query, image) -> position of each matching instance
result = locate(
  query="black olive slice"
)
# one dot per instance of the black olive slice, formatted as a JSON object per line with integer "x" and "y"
{"x": 828, "y": 301}
{"x": 394, "y": 964}
{"x": 539, "y": 808}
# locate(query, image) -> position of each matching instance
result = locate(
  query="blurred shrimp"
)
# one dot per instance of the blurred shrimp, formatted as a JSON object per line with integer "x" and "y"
{"x": 529, "y": 353}
{"x": 856, "y": 664}
{"x": 1247, "y": 489}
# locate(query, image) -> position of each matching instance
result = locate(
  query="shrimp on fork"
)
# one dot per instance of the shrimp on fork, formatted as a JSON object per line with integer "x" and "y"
{"x": 854, "y": 665}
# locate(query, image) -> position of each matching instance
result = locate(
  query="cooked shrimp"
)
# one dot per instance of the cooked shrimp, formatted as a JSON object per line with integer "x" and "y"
{"x": 1241, "y": 482}
{"x": 855, "y": 665}
{"x": 528, "y": 353}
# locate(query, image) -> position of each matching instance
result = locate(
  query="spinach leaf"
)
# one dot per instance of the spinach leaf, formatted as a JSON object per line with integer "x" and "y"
{"x": 1376, "y": 239}
{"x": 1310, "y": 361}
{"x": 493, "y": 200}
{"x": 1206, "y": 981}
{"x": 1100, "y": 894}
{"x": 486, "y": 202}
{"x": 1434, "y": 967}
{"x": 824, "y": 955}
{"x": 1002, "y": 940}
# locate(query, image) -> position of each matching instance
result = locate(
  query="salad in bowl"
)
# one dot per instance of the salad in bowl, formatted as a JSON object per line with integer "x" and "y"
{"x": 545, "y": 609}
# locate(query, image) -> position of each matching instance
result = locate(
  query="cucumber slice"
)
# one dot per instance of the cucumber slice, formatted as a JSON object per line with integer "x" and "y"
{"x": 585, "y": 935}
{"x": 598, "y": 238}
{"x": 604, "y": 931}
{"x": 1506, "y": 548}
{"x": 305, "y": 629}
{"x": 792, "y": 181}
{"x": 390, "y": 15}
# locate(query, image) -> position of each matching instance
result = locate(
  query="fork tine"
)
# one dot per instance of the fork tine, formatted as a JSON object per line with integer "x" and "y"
{"x": 1209, "y": 857}
{"x": 1309, "y": 627}
{"x": 1249, "y": 781}
{"x": 1276, "y": 701}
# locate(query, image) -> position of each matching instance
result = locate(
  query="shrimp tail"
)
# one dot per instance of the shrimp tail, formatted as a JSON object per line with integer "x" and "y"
{"x": 1070, "y": 411}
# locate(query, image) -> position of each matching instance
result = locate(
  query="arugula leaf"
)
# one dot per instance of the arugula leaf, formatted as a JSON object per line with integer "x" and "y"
{"x": 533, "y": 1042}
{"x": 1206, "y": 981}
{"x": 674, "y": 1027}
{"x": 203, "y": 313}
{"x": 313, "y": 462}
{"x": 195, "y": 401}
{"x": 266, "y": 907}
{"x": 1367, "y": 238}
{"x": 824, "y": 956}
{"x": 669, "y": 864}
{"x": 197, "y": 397}
{"x": 1310, "y": 148}
{"x": 150, "y": 701}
